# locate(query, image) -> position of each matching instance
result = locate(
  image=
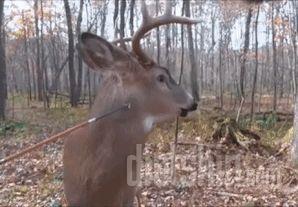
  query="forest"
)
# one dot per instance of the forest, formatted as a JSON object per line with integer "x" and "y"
{"x": 237, "y": 59}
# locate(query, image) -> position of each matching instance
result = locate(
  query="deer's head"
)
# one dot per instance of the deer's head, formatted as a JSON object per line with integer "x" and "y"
{"x": 147, "y": 86}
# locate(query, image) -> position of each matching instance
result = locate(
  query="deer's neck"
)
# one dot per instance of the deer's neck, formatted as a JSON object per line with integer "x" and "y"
{"x": 124, "y": 126}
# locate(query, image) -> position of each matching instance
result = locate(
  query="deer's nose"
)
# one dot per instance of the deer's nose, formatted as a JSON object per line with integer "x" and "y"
{"x": 184, "y": 111}
{"x": 193, "y": 107}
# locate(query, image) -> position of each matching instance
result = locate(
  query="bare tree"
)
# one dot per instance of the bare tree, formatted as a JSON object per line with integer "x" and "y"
{"x": 72, "y": 75}
{"x": 44, "y": 71}
{"x": 38, "y": 66}
{"x": 193, "y": 63}
{"x": 27, "y": 58}
{"x": 294, "y": 152}
{"x": 243, "y": 60}
{"x": 274, "y": 60}
{"x": 3, "y": 86}
{"x": 103, "y": 19}
{"x": 131, "y": 17}
{"x": 122, "y": 23}
{"x": 116, "y": 11}
{"x": 256, "y": 67}
{"x": 157, "y": 33}
{"x": 294, "y": 41}
{"x": 80, "y": 62}
{"x": 213, "y": 19}
{"x": 220, "y": 68}
{"x": 214, "y": 64}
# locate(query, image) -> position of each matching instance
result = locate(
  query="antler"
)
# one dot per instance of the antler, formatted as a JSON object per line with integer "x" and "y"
{"x": 149, "y": 23}
{"x": 127, "y": 39}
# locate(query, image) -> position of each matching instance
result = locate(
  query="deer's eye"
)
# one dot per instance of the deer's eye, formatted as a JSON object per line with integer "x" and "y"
{"x": 161, "y": 78}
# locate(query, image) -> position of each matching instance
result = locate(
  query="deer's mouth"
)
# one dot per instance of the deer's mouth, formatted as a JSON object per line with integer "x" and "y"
{"x": 184, "y": 111}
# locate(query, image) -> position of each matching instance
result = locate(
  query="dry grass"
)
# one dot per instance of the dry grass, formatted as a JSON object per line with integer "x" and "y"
{"x": 36, "y": 179}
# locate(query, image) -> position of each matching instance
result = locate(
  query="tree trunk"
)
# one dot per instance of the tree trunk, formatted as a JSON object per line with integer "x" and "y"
{"x": 116, "y": 11}
{"x": 294, "y": 152}
{"x": 132, "y": 5}
{"x": 243, "y": 61}
{"x": 182, "y": 47}
{"x": 72, "y": 75}
{"x": 80, "y": 61}
{"x": 213, "y": 82}
{"x": 27, "y": 59}
{"x": 274, "y": 60}
{"x": 168, "y": 44}
{"x": 122, "y": 23}
{"x": 3, "y": 85}
{"x": 256, "y": 68}
{"x": 245, "y": 50}
{"x": 282, "y": 62}
{"x": 103, "y": 19}
{"x": 157, "y": 33}
{"x": 38, "y": 68}
{"x": 43, "y": 62}
{"x": 34, "y": 78}
{"x": 193, "y": 63}
{"x": 220, "y": 70}
{"x": 294, "y": 42}
{"x": 202, "y": 54}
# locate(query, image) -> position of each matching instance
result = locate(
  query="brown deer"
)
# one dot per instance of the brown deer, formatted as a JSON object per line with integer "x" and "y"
{"x": 95, "y": 157}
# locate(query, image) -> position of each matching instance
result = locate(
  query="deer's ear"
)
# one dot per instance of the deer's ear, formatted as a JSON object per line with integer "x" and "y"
{"x": 98, "y": 53}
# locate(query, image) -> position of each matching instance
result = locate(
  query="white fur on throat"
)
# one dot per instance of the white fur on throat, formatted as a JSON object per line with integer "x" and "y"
{"x": 148, "y": 123}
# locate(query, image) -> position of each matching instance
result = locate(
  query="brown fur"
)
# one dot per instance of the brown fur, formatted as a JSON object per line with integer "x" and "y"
{"x": 95, "y": 157}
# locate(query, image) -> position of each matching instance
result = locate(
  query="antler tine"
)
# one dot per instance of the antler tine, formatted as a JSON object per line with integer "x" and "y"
{"x": 127, "y": 39}
{"x": 149, "y": 23}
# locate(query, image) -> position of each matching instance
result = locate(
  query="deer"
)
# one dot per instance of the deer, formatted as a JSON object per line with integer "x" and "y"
{"x": 95, "y": 157}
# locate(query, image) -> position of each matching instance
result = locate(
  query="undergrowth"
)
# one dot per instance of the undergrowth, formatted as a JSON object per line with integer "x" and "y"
{"x": 35, "y": 119}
